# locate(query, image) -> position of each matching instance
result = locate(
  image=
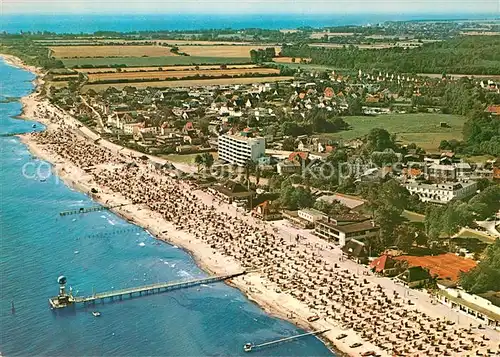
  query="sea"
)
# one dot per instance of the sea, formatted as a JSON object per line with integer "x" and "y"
{"x": 90, "y": 23}
{"x": 100, "y": 251}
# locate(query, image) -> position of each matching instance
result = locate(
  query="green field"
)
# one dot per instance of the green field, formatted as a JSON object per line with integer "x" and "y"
{"x": 421, "y": 129}
{"x": 152, "y": 61}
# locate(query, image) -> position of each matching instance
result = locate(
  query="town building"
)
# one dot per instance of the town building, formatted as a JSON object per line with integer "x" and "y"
{"x": 239, "y": 149}
{"x": 484, "y": 308}
{"x": 356, "y": 251}
{"x": 231, "y": 192}
{"x": 442, "y": 172}
{"x": 340, "y": 233}
{"x": 441, "y": 192}
{"x": 287, "y": 167}
{"x": 311, "y": 215}
{"x": 267, "y": 211}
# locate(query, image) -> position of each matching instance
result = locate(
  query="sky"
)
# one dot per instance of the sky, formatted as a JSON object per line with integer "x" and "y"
{"x": 490, "y": 7}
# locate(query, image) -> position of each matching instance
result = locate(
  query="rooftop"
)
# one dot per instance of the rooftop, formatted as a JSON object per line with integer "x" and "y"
{"x": 446, "y": 266}
{"x": 449, "y": 186}
{"x": 350, "y": 227}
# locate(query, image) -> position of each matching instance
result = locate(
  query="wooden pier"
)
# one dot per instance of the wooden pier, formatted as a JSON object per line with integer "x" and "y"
{"x": 83, "y": 210}
{"x": 65, "y": 300}
{"x": 248, "y": 347}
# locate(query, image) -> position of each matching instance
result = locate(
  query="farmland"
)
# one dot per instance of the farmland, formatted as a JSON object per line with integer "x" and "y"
{"x": 109, "y": 51}
{"x": 422, "y": 129}
{"x": 290, "y": 60}
{"x": 222, "y": 51}
{"x": 187, "y": 83}
{"x": 164, "y": 75}
{"x": 152, "y": 61}
{"x": 164, "y": 68}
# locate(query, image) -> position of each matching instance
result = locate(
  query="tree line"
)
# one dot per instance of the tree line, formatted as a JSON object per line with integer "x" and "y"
{"x": 467, "y": 54}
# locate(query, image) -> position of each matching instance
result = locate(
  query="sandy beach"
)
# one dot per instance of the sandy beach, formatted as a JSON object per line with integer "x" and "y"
{"x": 296, "y": 280}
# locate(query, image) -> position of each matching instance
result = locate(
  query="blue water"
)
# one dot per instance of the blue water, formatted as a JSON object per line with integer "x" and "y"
{"x": 37, "y": 245}
{"x": 130, "y": 23}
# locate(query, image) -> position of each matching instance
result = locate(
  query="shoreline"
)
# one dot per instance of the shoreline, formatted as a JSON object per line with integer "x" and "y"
{"x": 257, "y": 287}
{"x": 251, "y": 286}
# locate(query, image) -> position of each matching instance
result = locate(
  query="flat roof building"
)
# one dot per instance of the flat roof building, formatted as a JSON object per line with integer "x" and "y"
{"x": 341, "y": 233}
{"x": 442, "y": 192}
{"x": 238, "y": 150}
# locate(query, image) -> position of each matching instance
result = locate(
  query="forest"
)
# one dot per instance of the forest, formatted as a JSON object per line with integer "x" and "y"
{"x": 463, "y": 55}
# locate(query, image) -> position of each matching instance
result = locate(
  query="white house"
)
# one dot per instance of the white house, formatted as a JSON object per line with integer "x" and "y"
{"x": 441, "y": 192}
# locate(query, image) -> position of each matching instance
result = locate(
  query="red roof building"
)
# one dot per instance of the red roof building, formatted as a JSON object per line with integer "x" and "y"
{"x": 329, "y": 92}
{"x": 446, "y": 266}
{"x": 298, "y": 155}
{"x": 384, "y": 265}
{"x": 493, "y": 109}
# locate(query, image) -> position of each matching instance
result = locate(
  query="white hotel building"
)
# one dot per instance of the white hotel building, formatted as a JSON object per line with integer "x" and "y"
{"x": 236, "y": 149}
{"x": 442, "y": 192}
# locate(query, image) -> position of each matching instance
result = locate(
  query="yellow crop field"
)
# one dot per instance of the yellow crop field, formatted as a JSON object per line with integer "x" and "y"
{"x": 163, "y": 68}
{"x": 164, "y": 75}
{"x": 110, "y": 51}
{"x": 289, "y": 60}
{"x": 187, "y": 83}
{"x": 172, "y": 42}
{"x": 222, "y": 51}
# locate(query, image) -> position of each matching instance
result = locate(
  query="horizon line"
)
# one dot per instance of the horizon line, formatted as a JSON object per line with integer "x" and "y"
{"x": 416, "y": 13}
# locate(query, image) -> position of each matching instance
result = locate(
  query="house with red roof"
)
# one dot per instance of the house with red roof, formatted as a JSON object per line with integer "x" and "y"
{"x": 385, "y": 265}
{"x": 493, "y": 110}
{"x": 329, "y": 92}
{"x": 298, "y": 156}
{"x": 267, "y": 211}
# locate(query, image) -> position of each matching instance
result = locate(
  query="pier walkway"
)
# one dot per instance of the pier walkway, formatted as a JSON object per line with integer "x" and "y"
{"x": 91, "y": 209}
{"x": 63, "y": 300}
{"x": 250, "y": 346}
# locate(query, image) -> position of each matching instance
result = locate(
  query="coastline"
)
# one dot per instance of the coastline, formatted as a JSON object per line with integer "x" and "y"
{"x": 258, "y": 287}
{"x": 253, "y": 286}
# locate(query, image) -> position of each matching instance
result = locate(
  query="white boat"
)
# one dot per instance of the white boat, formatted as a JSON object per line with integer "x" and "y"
{"x": 96, "y": 313}
{"x": 247, "y": 347}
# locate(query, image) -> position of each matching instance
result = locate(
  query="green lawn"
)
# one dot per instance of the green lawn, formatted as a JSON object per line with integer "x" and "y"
{"x": 423, "y": 129}
{"x": 153, "y": 61}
